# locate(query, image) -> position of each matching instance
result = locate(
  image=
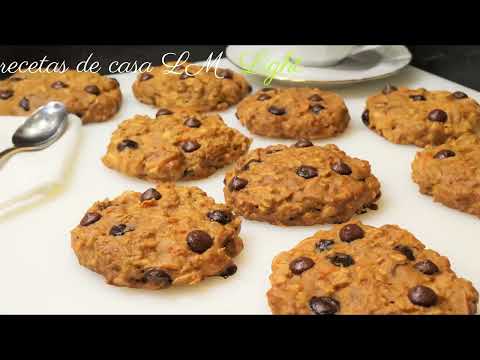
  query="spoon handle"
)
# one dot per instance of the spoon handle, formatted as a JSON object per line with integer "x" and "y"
{"x": 9, "y": 152}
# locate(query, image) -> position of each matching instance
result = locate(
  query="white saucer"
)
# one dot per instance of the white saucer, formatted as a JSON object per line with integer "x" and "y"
{"x": 370, "y": 65}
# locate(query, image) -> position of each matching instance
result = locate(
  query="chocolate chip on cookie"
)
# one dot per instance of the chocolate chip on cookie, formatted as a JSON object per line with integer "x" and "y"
{"x": 365, "y": 117}
{"x": 275, "y": 110}
{"x": 389, "y": 89}
{"x": 301, "y": 265}
{"x": 199, "y": 241}
{"x": 158, "y": 277}
{"x": 422, "y": 296}
{"x": 342, "y": 260}
{"x": 229, "y": 271}
{"x": 351, "y": 232}
{"x": 418, "y": 98}
{"x": 163, "y": 111}
{"x": 324, "y": 245}
{"x": 58, "y": 85}
{"x": 189, "y": 146}
{"x": 263, "y": 97}
{"x": 438, "y": 115}
{"x": 405, "y": 250}
{"x": 302, "y": 143}
{"x": 192, "y": 122}
{"x": 341, "y": 168}
{"x": 307, "y": 172}
{"x": 145, "y": 77}
{"x": 6, "y": 94}
{"x": 459, "y": 95}
{"x": 315, "y": 97}
{"x": 150, "y": 194}
{"x": 93, "y": 89}
{"x": 90, "y": 218}
{"x": 220, "y": 216}
{"x": 237, "y": 184}
{"x": 119, "y": 230}
{"x": 427, "y": 267}
{"x": 24, "y": 104}
{"x": 443, "y": 154}
{"x": 324, "y": 305}
{"x": 127, "y": 144}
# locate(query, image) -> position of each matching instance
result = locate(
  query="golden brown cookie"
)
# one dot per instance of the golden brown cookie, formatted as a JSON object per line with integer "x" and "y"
{"x": 451, "y": 173}
{"x": 191, "y": 87}
{"x": 360, "y": 269}
{"x": 294, "y": 113}
{"x": 421, "y": 117}
{"x": 177, "y": 144}
{"x": 166, "y": 236}
{"x": 94, "y": 98}
{"x": 300, "y": 185}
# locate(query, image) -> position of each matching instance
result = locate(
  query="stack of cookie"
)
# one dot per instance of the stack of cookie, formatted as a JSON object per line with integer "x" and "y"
{"x": 171, "y": 235}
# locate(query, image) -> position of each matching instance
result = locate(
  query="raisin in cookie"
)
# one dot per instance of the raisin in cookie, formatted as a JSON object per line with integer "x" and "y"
{"x": 294, "y": 113}
{"x": 300, "y": 185}
{"x": 94, "y": 98}
{"x": 190, "y": 86}
{"x": 166, "y": 236}
{"x": 177, "y": 144}
{"x": 451, "y": 173}
{"x": 421, "y": 117}
{"x": 360, "y": 269}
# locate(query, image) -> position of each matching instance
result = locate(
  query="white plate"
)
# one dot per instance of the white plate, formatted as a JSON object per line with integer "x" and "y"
{"x": 39, "y": 272}
{"x": 370, "y": 65}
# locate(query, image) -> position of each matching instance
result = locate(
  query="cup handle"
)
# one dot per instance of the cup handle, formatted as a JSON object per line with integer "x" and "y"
{"x": 362, "y": 48}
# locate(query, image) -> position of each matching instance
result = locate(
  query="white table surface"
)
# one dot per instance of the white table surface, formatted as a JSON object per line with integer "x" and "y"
{"x": 39, "y": 273}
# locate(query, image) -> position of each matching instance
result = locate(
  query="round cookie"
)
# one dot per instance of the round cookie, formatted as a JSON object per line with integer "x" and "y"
{"x": 300, "y": 185}
{"x": 94, "y": 98}
{"x": 421, "y": 117}
{"x": 451, "y": 173}
{"x": 203, "y": 91}
{"x": 177, "y": 144}
{"x": 167, "y": 235}
{"x": 294, "y": 113}
{"x": 360, "y": 269}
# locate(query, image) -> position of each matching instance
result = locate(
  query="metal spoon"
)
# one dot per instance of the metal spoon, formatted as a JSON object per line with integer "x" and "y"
{"x": 40, "y": 130}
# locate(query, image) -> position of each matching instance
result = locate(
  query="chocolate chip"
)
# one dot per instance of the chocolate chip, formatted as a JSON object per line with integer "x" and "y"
{"x": 341, "y": 168}
{"x": 24, "y": 104}
{"x": 459, "y": 95}
{"x": 303, "y": 143}
{"x": 229, "y": 271}
{"x": 127, "y": 143}
{"x": 443, "y": 154}
{"x": 366, "y": 117}
{"x": 276, "y": 110}
{"x": 249, "y": 88}
{"x": 372, "y": 206}
{"x": 389, "y": 88}
{"x": 315, "y": 97}
{"x": 225, "y": 73}
{"x": 145, "y": 77}
{"x": 6, "y": 94}
{"x": 158, "y": 277}
{"x": 90, "y": 218}
{"x": 267, "y": 89}
{"x": 438, "y": 115}
{"x": 264, "y": 97}
{"x": 324, "y": 245}
{"x": 192, "y": 123}
{"x": 163, "y": 111}
{"x": 427, "y": 267}
{"x": 422, "y": 296}
{"x": 199, "y": 241}
{"x": 184, "y": 76}
{"x": 307, "y": 172}
{"x": 340, "y": 259}
{"x": 189, "y": 146}
{"x": 150, "y": 194}
{"x": 15, "y": 79}
{"x": 237, "y": 184}
{"x": 58, "y": 85}
{"x": 316, "y": 108}
{"x": 324, "y": 305}
{"x": 249, "y": 162}
{"x": 418, "y": 98}
{"x": 119, "y": 230}
{"x": 351, "y": 232}
{"x": 405, "y": 250}
{"x": 301, "y": 264}
{"x": 92, "y": 89}
{"x": 220, "y": 216}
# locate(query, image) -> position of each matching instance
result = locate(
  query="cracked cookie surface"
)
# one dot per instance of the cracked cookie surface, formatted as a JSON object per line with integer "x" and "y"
{"x": 300, "y": 185}
{"x": 196, "y": 89}
{"x": 294, "y": 113}
{"x": 450, "y": 173}
{"x": 360, "y": 269}
{"x": 168, "y": 235}
{"x": 421, "y": 117}
{"x": 92, "y": 97}
{"x": 177, "y": 144}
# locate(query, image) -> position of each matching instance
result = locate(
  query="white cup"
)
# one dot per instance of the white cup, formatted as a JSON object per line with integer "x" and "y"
{"x": 326, "y": 55}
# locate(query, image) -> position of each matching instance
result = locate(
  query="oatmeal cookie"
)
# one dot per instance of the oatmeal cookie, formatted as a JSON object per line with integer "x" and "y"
{"x": 191, "y": 87}
{"x": 300, "y": 185}
{"x": 421, "y": 117}
{"x": 168, "y": 235}
{"x": 177, "y": 144}
{"x": 294, "y": 113}
{"x": 451, "y": 173}
{"x": 360, "y": 269}
{"x": 92, "y": 97}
